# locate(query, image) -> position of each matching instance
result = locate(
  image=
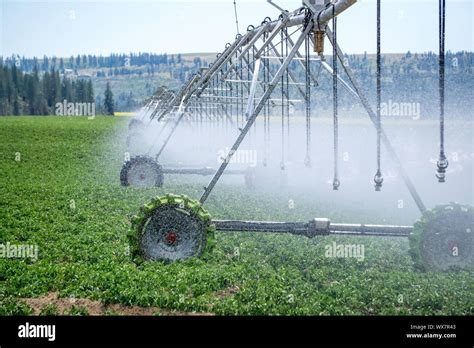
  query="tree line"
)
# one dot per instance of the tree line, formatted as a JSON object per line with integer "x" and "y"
{"x": 34, "y": 94}
{"x": 408, "y": 78}
{"x": 95, "y": 62}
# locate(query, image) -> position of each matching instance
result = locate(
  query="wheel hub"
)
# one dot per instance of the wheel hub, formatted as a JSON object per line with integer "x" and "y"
{"x": 142, "y": 175}
{"x": 162, "y": 241}
{"x": 171, "y": 238}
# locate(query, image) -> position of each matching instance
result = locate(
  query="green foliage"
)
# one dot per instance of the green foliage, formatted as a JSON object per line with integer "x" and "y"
{"x": 12, "y": 306}
{"x": 108, "y": 100}
{"x": 22, "y": 93}
{"x": 49, "y": 310}
{"x": 84, "y": 249}
{"x": 78, "y": 311}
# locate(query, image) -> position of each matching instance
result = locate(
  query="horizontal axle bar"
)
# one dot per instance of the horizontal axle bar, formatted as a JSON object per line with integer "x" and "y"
{"x": 266, "y": 84}
{"x": 315, "y": 227}
{"x": 200, "y": 171}
{"x": 243, "y": 98}
{"x": 316, "y": 59}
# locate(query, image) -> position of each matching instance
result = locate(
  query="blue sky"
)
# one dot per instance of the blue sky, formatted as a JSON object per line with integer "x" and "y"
{"x": 64, "y": 28}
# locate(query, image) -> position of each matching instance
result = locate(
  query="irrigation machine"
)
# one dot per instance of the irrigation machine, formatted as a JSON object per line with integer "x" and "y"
{"x": 247, "y": 80}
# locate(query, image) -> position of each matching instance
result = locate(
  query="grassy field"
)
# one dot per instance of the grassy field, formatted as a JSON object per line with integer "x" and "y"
{"x": 59, "y": 190}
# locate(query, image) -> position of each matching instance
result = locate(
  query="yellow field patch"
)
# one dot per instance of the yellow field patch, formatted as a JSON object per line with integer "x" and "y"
{"x": 121, "y": 114}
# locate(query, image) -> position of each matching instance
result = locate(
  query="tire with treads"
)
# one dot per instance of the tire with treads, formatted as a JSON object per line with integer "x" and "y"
{"x": 443, "y": 239}
{"x": 141, "y": 171}
{"x": 170, "y": 228}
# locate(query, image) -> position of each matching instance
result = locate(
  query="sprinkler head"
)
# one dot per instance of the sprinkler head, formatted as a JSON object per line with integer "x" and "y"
{"x": 307, "y": 162}
{"x": 378, "y": 179}
{"x": 441, "y": 177}
{"x": 335, "y": 184}
{"x": 442, "y": 166}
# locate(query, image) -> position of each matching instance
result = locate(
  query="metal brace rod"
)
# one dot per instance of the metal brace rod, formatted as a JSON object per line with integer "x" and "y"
{"x": 277, "y": 7}
{"x": 184, "y": 104}
{"x": 254, "y": 115}
{"x": 221, "y": 61}
{"x": 233, "y": 67}
{"x": 272, "y": 35}
{"x": 252, "y": 42}
{"x": 225, "y": 57}
{"x": 178, "y": 120}
{"x": 290, "y": 73}
{"x": 199, "y": 84}
{"x": 183, "y": 95}
{"x": 257, "y": 54}
{"x": 260, "y": 33}
{"x": 292, "y": 101}
{"x": 262, "y": 83}
{"x": 301, "y": 58}
{"x": 243, "y": 57}
{"x": 245, "y": 82}
{"x": 267, "y": 69}
{"x": 253, "y": 89}
{"x": 390, "y": 150}
{"x": 344, "y": 83}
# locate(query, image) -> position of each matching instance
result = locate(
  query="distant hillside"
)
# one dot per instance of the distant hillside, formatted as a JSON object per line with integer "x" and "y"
{"x": 134, "y": 77}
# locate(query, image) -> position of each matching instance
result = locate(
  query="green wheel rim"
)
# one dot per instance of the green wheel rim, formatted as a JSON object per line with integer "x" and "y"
{"x": 170, "y": 228}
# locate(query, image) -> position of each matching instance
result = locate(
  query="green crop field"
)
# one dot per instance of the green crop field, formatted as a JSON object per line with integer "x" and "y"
{"x": 60, "y": 191}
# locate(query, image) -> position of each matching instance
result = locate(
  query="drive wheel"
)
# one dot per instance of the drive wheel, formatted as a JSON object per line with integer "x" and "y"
{"x": 141, "y": 171}
{"x": 170, "y": 228}
{"x": 443, "y": 239}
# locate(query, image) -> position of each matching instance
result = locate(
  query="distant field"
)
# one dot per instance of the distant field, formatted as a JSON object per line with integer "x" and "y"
{"x": 124, "y": 114}
{"x": 59, "y": 190}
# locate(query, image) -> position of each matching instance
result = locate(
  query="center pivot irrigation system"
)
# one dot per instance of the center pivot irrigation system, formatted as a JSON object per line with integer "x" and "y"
{"x": 241, "y": 85}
